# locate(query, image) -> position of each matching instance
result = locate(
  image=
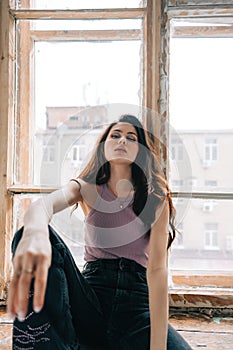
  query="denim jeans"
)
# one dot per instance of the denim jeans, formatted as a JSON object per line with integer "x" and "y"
{"x": 105, "y": 307}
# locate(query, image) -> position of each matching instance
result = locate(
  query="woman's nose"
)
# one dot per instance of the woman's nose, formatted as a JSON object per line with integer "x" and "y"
{"x": 122, "y": 140}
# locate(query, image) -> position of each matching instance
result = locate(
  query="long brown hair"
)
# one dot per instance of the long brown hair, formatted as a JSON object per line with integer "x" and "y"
{"x": 150, "y": 185}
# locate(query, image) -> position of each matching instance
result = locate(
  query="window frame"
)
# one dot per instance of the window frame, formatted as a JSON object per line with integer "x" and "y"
{"x": 210, "y": 236}
{"x": 155, "y": 96}
{"x": 24, "y": 166}
{"x": 195, "y": 11}
{"x": 48, "y": 154}
{"x": 76, "y": 151}
{"x": 16, "y": 111}
{"x": 210, "y": 151}
{"x": 7, "y": 47}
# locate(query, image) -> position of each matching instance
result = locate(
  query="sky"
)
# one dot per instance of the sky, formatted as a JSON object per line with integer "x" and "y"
{"x": 87, "y": 73}
{"x": 201, "y": 83}
{"x": 90, "y": 4}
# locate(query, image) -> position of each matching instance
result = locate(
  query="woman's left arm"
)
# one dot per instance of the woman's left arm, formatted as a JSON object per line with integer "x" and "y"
{"x": 157, "y": 279}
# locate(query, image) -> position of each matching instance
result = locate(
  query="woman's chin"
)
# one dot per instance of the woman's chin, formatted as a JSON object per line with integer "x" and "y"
{"x": 120, "y": 160}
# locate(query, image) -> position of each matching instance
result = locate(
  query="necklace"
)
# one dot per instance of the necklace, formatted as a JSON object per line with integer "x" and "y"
{"x": 123, "y": 201}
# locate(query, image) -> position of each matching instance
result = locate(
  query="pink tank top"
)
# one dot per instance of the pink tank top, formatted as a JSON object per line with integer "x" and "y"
{"x": 112, "y": 230}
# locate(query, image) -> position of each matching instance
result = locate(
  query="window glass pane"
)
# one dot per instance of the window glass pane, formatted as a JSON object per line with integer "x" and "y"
{"x": 205, "y": 242}
{"x": 207, "y": 153}
{"x": 207, "y": 236}
{"x": 77, "y": 24}
{"x": 68, "y": 225}
{"x": 75, "y": 156}
{"x": 211, "y": 183}
{"x": 77, "y": 74}
{"x": 71, "y": 78}
{"x": 203, "y": 161}
{"x": 80, "y": 4}
{"x": 214, "y": 153}
{"x": 201, "y": 74}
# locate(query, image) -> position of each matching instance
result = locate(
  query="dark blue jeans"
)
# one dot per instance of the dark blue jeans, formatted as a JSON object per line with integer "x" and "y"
{"x": 105, "y": 307}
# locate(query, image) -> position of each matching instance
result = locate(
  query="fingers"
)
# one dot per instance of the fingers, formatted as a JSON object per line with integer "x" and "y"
{"x": 24, "y": 283}
{"x": 12, "y": 293}
{"x": 26, "y": 268}
{"x": 12, "y": 296}
{"x": 41, "y": 275}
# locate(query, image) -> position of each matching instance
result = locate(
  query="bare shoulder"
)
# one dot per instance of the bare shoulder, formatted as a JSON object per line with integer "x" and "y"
{"x": 72, "y": 192}
{"x": 87, "y": 192}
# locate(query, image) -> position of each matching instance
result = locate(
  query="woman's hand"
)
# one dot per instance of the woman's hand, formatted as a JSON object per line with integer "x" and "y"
{"x": 32, "y": 259}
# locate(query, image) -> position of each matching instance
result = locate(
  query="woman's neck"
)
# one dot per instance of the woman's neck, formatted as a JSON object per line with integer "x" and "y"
{"x": 120, "y": 182}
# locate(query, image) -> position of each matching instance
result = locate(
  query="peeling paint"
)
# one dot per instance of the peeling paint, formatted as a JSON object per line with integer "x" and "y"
{"x": 200, "y": 3}
{"x": 202, "y": 300}
{"x": 2, "y": 284}
{"x": 206, "y": 11}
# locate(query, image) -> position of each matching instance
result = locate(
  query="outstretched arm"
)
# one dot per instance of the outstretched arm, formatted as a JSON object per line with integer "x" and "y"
{"x": 157, "y": 278}
{"x": 33, "y": 255}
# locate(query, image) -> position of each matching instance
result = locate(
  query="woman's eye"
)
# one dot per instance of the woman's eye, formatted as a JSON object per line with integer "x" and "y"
{"x": 131, "y": 139}
{"x": 115, "y": 136}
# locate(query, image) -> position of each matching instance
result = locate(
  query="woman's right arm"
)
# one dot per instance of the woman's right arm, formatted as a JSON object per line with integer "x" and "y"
{"x": 33, "y": 252}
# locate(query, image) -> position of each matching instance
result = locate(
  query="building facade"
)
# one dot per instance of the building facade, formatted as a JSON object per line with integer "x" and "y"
{"x": 197, "y": 164}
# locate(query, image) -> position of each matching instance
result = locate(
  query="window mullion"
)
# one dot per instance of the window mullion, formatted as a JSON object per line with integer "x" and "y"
{"x": 60, "y": 35}
{"x": 203, "y": 195}
{"x": 7, "y": 64}
{"x": 209, "y": 31}
{"x": 23, "y": 161}
{"x": 27, "y": 189}
{"x": 79, "y": 14}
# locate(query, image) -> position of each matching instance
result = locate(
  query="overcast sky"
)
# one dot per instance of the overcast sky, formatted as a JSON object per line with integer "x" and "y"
{"x": 201, "y": 78}
{"x": 201, "y": 83}
{"x": 86, "y": 73}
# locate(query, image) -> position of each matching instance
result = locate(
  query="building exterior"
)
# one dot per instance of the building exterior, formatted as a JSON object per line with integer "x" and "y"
{"x": 62, "y": 148}
{"x": 205, "y": 241}
{"x": 60, "y": 151}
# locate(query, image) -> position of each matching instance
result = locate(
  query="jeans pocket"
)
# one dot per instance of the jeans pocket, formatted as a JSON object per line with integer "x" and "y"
{"x": 141, "y": 276}
{"x": 90, "y": 270}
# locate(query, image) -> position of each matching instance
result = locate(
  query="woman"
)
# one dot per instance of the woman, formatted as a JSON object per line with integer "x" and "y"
{"x": 120, "y": 300}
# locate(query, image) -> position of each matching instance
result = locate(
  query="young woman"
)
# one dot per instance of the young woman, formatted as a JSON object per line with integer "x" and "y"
{"x": 120, "y": 300}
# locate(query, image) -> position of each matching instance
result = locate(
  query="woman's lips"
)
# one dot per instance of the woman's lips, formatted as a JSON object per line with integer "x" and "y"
{"x": 120, "y": 149}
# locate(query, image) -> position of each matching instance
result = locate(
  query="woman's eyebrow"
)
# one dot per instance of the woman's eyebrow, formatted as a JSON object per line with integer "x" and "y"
{"x": 129, "y": 132}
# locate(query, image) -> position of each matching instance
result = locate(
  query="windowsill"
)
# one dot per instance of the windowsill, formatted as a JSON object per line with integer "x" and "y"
{"x": 198, "y": 297}
{"x": 195, "y": 297}
{"x": 202, "y": 279}
{"x": 201, "y": 297}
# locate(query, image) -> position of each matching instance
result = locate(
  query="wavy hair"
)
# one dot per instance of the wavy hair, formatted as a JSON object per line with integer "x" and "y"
{"x": 150, "y": 185}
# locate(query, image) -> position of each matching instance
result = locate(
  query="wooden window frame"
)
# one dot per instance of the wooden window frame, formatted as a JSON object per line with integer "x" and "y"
{"x": 15, "y": 110}
{"x": 212, "y": 287}
{"x": 193, "y": 4}
{"x": 155, "y": 97}
{"x": 7, "y": 104}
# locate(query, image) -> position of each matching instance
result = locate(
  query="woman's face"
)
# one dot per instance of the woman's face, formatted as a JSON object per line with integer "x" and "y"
{"x": 121, "y": 145}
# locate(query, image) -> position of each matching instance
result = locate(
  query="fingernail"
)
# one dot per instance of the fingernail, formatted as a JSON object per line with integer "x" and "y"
{"x": 37, "y": 309}
{"x": 21, "y": 316}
